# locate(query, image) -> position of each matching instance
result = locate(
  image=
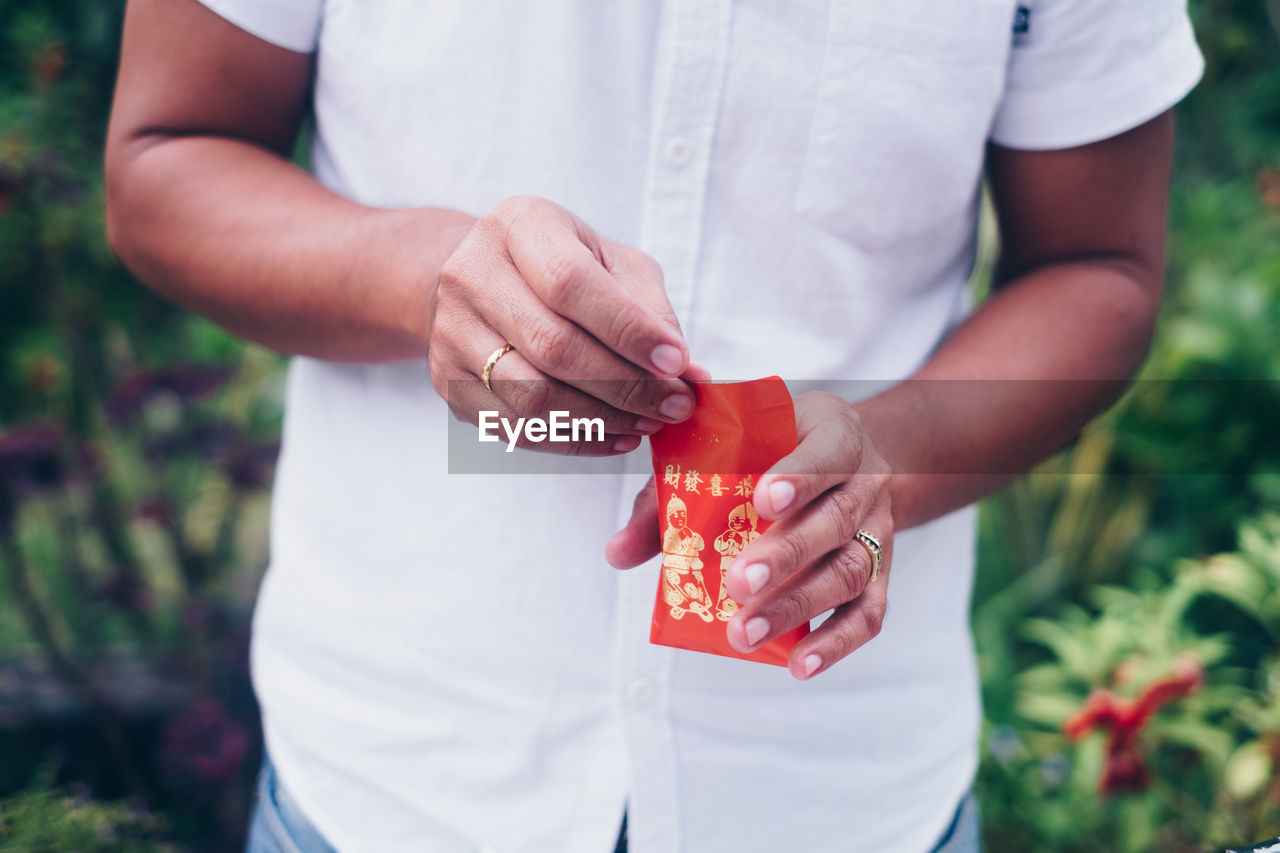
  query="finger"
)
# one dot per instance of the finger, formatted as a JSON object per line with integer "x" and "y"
{"x": 470, "y": 402}
{"x": 520, "y": 388}
{"x": 489, "y": 292}
{"x": 834, "y": 580}
{"x": 640, "y": 539}
{"x": 824, "y": 525}
{"x": 553, "y": 431}
{"x": 642, "y": 275}
{"x": 603, "y": 431}
{"x": 830, "y": 450}
{"x": 839, "y": 578}
{"x": 559, "y": 348}
{"x": 572, "y": 281}
{"x": 852, "y": 625}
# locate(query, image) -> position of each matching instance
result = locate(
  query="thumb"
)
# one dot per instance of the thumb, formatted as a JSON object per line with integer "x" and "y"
{"x": 639, "y": 539}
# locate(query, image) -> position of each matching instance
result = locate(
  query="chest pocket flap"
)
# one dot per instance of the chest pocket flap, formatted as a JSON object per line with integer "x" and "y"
{"x": 903, "y": 111}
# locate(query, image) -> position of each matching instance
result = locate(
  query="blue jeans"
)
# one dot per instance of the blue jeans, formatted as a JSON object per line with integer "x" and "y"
{"x": 278, "y": 825}
{"x": 964, "y": 835}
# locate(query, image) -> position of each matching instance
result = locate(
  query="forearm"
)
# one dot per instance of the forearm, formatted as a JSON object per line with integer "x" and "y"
{"x": 1015, "y": 383}
{"x": 236, "y": 233}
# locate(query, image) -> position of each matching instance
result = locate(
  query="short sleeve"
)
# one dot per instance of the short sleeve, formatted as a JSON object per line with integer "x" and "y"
{"x": 1085, "y": 70}
{"x": 291, "y": 24}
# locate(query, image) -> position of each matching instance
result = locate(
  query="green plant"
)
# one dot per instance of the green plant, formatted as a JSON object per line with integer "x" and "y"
{"x": 1152, "y": 720}
{"x": 46, "y": 821}
{"x": 135, "y": 445}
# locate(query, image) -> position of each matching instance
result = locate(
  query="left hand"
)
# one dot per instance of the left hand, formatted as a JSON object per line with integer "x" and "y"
{"x": 808, "y": 562}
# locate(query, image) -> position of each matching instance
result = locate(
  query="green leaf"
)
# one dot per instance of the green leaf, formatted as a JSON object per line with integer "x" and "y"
{"x": 1247, "y": 772}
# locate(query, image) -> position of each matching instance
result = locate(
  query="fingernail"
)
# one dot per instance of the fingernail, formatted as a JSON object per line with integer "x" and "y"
{"x": 781, "y": 494}
{"x": 756, "y": 629}
{"x": 757, "y": 575}
{"x": 812, "y": 663}
{"x": 627, "y": 443}
{"x": 676, "y": 406}
{"x": 648, "y": 425}
{"x": 667, "y": 359}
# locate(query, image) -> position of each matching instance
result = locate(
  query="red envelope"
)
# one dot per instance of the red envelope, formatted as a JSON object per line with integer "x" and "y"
{"x": 706, "y": 470}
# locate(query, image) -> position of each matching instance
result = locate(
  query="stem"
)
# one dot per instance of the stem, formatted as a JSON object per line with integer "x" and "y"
{"x": 84, "y": 686}
{"x": 225, "y": 546}
{"x": 191, "y": 571}
{"x": 33, "y": 614}
{"x": 88, "y": 386}
{"x": 86, "y": 615}
{"x": 108, "y": 522}
{"x": 81, "y": 684}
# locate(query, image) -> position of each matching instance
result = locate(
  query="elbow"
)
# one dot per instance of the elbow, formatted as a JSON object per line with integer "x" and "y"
{"x": 113, "y": 179}
{"x": 1142, "y": 330}
{"x": 115, "y": 215}
{"x": 120, "y": 214}
{"x": 115, "y": 230}
{"x": 1135, "y": 296}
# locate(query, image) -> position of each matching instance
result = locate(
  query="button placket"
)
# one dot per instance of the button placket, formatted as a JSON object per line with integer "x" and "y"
{"x": 692, "y": 62}
{"x": 694, "y": 58}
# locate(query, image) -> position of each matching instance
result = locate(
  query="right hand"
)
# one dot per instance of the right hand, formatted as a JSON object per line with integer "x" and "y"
{"x": 588, "y": 319}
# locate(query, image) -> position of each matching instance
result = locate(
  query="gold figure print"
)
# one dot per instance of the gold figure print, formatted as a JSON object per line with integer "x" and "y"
{"x": 682, "y": 585}
{"x": 742, "y": 532}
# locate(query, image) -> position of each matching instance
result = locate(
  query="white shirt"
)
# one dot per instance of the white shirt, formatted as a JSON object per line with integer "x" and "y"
{"x": 446, "y": 663}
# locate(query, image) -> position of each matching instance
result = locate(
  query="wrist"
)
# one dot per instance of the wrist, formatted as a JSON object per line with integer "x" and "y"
{"x": 894, "y": 424}
{"x": 411, "y": 248}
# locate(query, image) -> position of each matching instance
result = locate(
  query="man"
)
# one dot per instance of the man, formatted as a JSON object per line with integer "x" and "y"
{"x": 532, "y": 194}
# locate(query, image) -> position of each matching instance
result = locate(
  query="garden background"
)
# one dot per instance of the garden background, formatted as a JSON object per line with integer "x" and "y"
{"x": 1127, "y": 608}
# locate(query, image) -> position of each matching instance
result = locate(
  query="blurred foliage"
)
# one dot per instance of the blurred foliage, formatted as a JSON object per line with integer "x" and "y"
{"x": 1202, "y": 770}
{"x": 49, "y": 821}
{"x": 136, "y": 442}
{"x": 1129, "y": 590}
{"x": 1151, "y": 545}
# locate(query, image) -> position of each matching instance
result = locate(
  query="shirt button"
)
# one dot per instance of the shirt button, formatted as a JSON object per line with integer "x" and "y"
{"x": 678, "y": 152}
{"x": 640, "y": 691}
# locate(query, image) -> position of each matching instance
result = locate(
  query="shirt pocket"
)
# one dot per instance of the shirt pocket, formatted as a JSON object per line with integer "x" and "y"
{"x": 903, "y": 111}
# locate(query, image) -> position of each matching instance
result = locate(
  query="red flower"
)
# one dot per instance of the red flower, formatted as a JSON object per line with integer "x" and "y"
{"x": 50, "y": 63}
{"x": 204, "y": 743}
{"x": 1125, "y": 718}
{"x": 1268, "y": 185}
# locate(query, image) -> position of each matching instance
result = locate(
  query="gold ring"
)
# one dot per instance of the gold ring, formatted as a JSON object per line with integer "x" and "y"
{"x": 872, "y": 544}
{"x": 488, "y": 365}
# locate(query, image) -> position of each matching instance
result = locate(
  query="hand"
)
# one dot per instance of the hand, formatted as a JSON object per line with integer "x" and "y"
{"x": 808, "y": 562}
{"x": 591, "y": 330}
